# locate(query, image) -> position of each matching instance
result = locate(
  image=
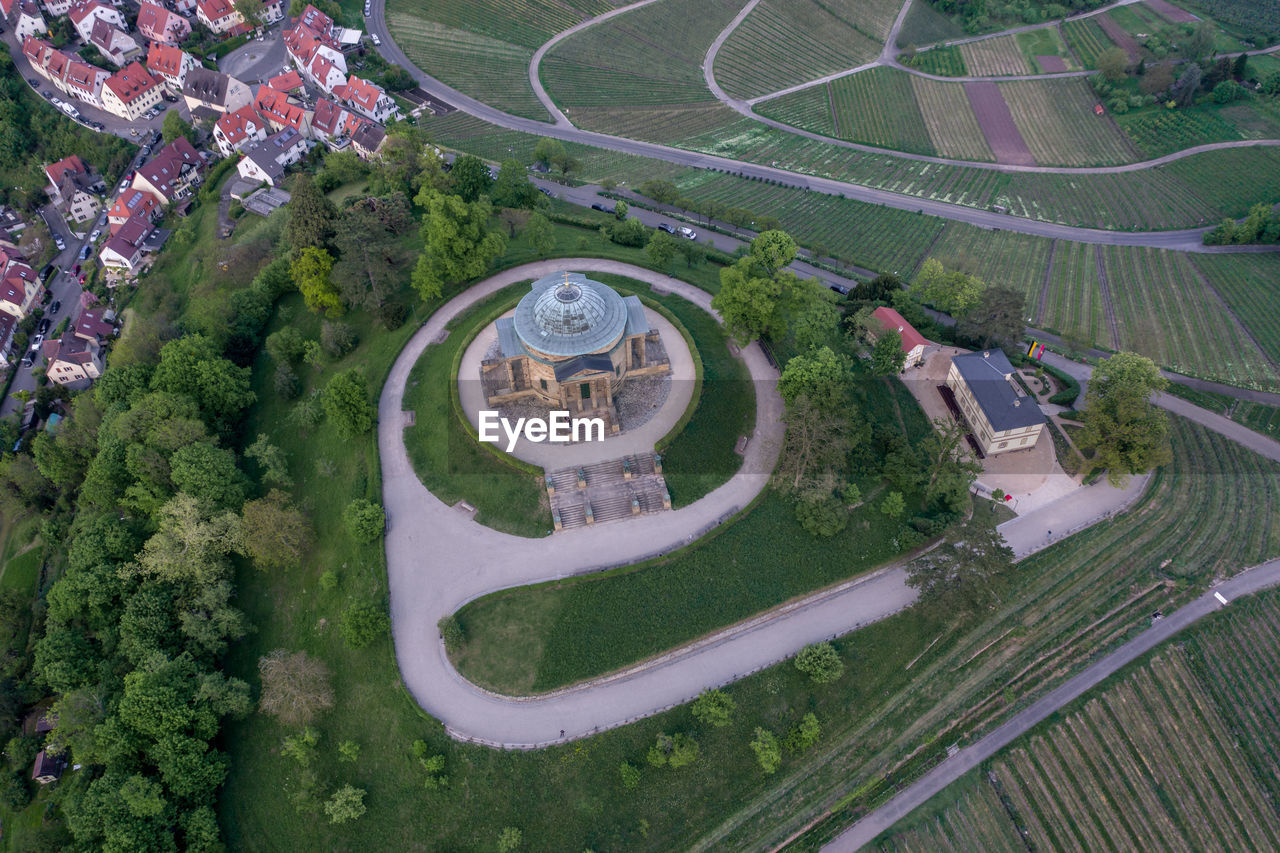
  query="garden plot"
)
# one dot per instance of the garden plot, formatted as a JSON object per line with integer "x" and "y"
{"x": 949, "y": 117}
{"x": 942, "y": 61}
{"x": 995, "y": 57}
{"x": 1170, "y": 12}
{"x": 997, "y": 123}
{"x": 1087, "y": 39}
{"x": 785, "y": 42}
{"x": 669, "y": 124}
{"x": 1046, "y": 50}
{"x": 1056, "y": 118}
{"x": 1119, "y": 35}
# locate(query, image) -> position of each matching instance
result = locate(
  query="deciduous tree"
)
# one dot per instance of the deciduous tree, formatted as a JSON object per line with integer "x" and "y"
{"x": 470, "y": 178}
{"x": 714, "y": 708}
{"x": 887, "y": 357}
{"x": 767, "y": 749}
{"x": 276, "y": 533}
{"x": 1127, "y": 433}
{"x": 972, "y": 572}
{"x": 748, "y": 303}
{"x": 311, "y": 270}
{"x": 346, "y": 404}
{"x": 295, "y": 687}
{"x": 457, "y": 244}
{"x": 821, "y": 662}
{"x": 997, "y": 318}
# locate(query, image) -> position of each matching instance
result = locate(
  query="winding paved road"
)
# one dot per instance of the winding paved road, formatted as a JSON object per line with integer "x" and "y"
{"x": 1183, "y": 240}
{"x": 866, "y": 830}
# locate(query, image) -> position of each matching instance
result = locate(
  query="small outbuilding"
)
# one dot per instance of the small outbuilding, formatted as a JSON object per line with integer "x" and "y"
{"x": 48, "y": 767}
{"x": 914, "y": 344}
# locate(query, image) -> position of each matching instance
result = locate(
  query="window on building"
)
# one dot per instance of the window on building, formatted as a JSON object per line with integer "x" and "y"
{"x": 544, "y": 384}
{"x": 1023, "y": 441}
{"x": 584, "y": 390}
{"x": 1003, "y": 445}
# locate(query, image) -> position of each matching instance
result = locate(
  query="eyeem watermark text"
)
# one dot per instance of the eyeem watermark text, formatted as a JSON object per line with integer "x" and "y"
{"x": 559, "y": 428}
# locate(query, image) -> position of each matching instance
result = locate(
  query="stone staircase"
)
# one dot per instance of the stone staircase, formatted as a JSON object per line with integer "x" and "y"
{"x": 607, "y": 491}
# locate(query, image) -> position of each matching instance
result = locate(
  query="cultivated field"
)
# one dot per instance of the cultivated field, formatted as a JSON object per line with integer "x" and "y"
{"x": 949, "y": 117}
{"x": 1044, "y": 48}
{"x": 876, "y": 107}
{"x": 524, "y": 22}
{"x": 649, "y": 57}
{"x": 1170, "y": 12}
{"x": 943, "y": 61}
{"x": 1057, "y": 120}
{"x": 926, "y": 25}
{"x": 496, "y": 72}
{"x": 1250, "y": 285}
{"x": 1164, "y": 310}
{"x": 1074, "y": 303}
{"x": 1157, "y": 131}
{"x": 1087, "y": 39}
{"x": 1117, "y": 33}
{"x": 999, "y": 257}
{"x": 1000, "y": 56}
{"x": 997, "y": 123}
{"x": 665, "y": 123}
{"x": 1182, "y": 753}
{"x": 863, "y": 234}
{"x": 785, "y": 42}
{"x": 1252, "y": 16}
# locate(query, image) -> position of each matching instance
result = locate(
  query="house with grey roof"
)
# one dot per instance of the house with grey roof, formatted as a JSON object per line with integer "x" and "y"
{"x": 1003, "y": 418}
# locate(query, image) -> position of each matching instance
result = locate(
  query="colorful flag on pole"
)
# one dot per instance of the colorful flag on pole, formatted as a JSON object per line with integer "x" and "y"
{"x": 1036, "y": 351}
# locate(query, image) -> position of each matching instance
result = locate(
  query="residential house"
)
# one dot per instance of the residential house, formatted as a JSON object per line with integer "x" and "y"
{"x": 85, "y": 13}
{"x": 19, "y": 289}
{"x": 214, "y": 91}
{"x": 314, "y": 48}
{"x": 30, "y": 21}
{"x": 133, "y": 201}
{"x": 48, "y": 767}
{"x": 117, "y": 46}
{"x": 72, "y": 359}
{"x": 92, "y": 325}
{"x": 8, "y": 325}
{"x": 7, "y": 7}
{"x": 158, "y": 24}
{"x": 290, "y": 81}
{"x": 1002, "y": 417}
{"x": 272, "y": 11}
{"x": 237, "y": 130}
{"x": 367, "y": 139}
{"x": 328, "y": 121}
{"x": 172, "y": 172}
{"x": 74, "y": 188}
{"x": 914, "y": 344}
{"x": 130, "y": 92}
{"x": 368, "y": 99}
{"x": 82, "y": 80}
{"x": 281, "y": 112}
{"x": 185, "y": 7}
{"x": 124, "y": 249}
{"x": 57, "y": 8}
{"x": 170, "y": 64}
{"x": 220, "y": 16}
{"x": 267, "y": 160}
{"x": 325, "y": 73}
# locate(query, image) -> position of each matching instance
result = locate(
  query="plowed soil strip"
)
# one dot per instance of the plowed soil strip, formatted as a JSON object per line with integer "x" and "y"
{"x": 1119, "y": 35}
{"x": 1051, "y": 64}
{"x": 1170, "y": 12}
{"x": 997, "y": 124}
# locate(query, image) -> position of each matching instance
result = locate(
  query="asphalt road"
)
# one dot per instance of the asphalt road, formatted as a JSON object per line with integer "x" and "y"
{"x": 257, "y": 61}
{"x": 1185, "y": 240}
{"x": 866, "y": 830}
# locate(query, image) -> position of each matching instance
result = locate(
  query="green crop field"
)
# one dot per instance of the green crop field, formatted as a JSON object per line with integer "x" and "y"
{"x": 1046, "y": 41}
{"x": 943, "y": 61}
{"x": 867, "y": 235}
{"x": 1165, "y": 311}
{"x": 1087, "y": 39}
{"x": 1074, "y": 304}
{"x": 948, "y": 115}
{"x": 1250, "y": 285}
{"x": 1259, "y": 18}
{"x": 786, "y": 42}
{"x": 999, "y": 56}
{"x": 996, "y": 257}
{"x": 1158, "y": 130}
{"x": 1231, "y": 181}
{"x": 483, "y": 48}
{"x": 1181, "y": 753}
{"x": 926, "y": 25}
{"x": 876, "y": 107}
{"x": 1057, "y": 120}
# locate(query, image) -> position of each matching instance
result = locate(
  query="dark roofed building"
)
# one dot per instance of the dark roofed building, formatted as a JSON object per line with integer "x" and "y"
{"x": 1001, "y": 415}
{"x": 214, "y": 90}
{"x": 48, "y": 767}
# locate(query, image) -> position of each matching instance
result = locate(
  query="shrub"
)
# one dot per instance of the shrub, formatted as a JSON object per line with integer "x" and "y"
{"x": 364, "y": 623}
{"x": 451, "y": 632}
{"x": 346, "y": 804}
{"x": 365, "y": 520}
{"x": 338, "y": 339}
{"x": 346, "y": 404}
{"x": 328, "y": 580}
{"x": 630, "y": 775}
{"x": 821, "y": 662}
{"x": 349, "y": 751}
{"x": 821, "y": 515}
{"x": 714, "y": 708}
{"x": 768, "y": 752}
{"x": 509, "y": 839}
{"x": 805, "y": 734}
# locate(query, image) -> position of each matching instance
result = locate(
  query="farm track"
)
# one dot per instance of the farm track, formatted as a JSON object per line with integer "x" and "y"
{"x": 1108, "y": 309}
{"x": 1044, "y": 287}
{"x": 1185, "y": 240}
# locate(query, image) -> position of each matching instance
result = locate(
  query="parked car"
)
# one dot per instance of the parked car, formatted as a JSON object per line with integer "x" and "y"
{"x": 548, "y": 193}
{"x": 368, "y": 10}
{"x": 97, "y": 232}
{"x": 82, "y": 277}
{"x": 601, "y": 207}
{"x": 84, "y": 252}
{"x": 43, "y": 328}
{"x": 173, "y": 99}
{"x": 377, "y": 42}
{"x": 55, "y": 307}
{"x": 35, "y": 341}
{"x": 47, "y": 95}
{"x": 57, "y": 241}
{"x": 96, "y": 125}
{"x": 124, "y": 185}
{"x": 28, "y": 360}
{"x": 689, "y": 233}
{"x": 76, "y": 270}
{"x": 33, "y": 83}
{"x": 667, "y": 226}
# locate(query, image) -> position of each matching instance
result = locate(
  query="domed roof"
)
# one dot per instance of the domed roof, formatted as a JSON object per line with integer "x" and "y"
{"x": 568, "y": 314}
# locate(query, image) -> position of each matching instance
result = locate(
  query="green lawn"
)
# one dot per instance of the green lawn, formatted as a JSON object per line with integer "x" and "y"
{"x": 22, "y": 572}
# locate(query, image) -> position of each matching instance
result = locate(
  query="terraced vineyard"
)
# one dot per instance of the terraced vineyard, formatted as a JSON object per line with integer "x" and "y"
{"x": 949, "y": 117}
{"x": 1046, "y": 46}
{"x": 1163, "y": 310}
{"x": 1157, "y": 131}
{"x": 993, "y": 57}
{"x": 1087, "y": 40}
{"x": 483, "y": 48}
{"x": 1250, "y": 285}
{"x": 943, "y": 61}
{"x": 1229, "y": 178}
{"x": 1074, "y": 303}
{"x": 1182, "y": 753}
{"x": 876, "y": 107}
{"x": 1056, "y": 118}
{"x": 785, "y": 42}
{"x": 996, "y": 257}
{"x": 864, "y": 234}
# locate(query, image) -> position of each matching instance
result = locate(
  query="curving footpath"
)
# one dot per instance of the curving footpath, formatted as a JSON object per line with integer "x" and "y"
{"x": 880, "y": 820}
{"x": 438, "y": 559}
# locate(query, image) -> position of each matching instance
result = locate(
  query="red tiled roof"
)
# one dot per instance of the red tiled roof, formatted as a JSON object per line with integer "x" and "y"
{"x": 72, "y": 164}
{"x": 891, "y": 319}
{"x": 130, "y": 202}
{"x": 362, "y": 93}
{"x": 6, "y": 6}
{"x": 328, "y": 117}
{"x": 91, "y": 325}
{"x": 275, "y": 106}
{"x": 16, "y": 281}
{"x": 165, "y": 59}
{"x": 285, "y": 82}
{"x": 35, "y": 50}
{"x": 314, "y": 19}
{"x": 235, "y": 125}
{"x": 131, "y": 82}
{"x": 158, "y": 23}
{"x": 82, "y": 75}
{"x": 215, "y": 9}
{"x": 135, "y": 230}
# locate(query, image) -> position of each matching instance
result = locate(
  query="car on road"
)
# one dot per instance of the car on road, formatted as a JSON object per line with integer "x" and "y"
{"x": 47, "y": 95}
{"x": 85, "y": 250}
{"x": 377, "y": 42}
{"x": 43, "y": 328}
{"x": 35, "y": 341}
{"x": 28, "y": 360}
{"x": 368, "y": 9}
{"x": 96, "y": 125}
{"x": 666, "y": 226}
{"x": 124, "y": 185}
{"x": 173, "y": 99}
{"x": 688, "y": 233}
{"x": 33, "y": 83}
{"x": 97, "y": 232}
{"x": 548, "y": 193}
{"x": 55, "y": 307}
{"x": 601, "y": 207}
{"x": 57, "y": 241}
